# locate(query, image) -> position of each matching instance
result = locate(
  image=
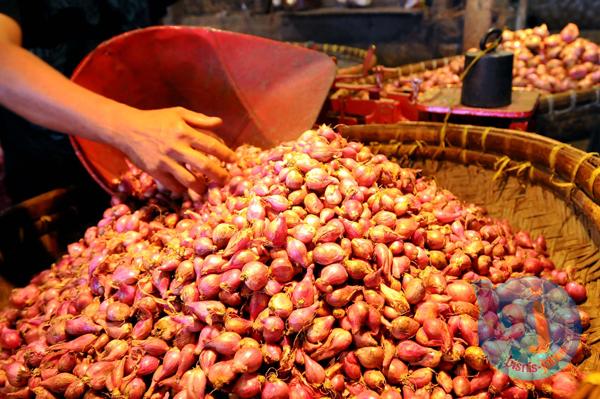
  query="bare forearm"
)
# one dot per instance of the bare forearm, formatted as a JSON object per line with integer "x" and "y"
{"x": 37, "y": 92}
{"x": 167, "y": 143}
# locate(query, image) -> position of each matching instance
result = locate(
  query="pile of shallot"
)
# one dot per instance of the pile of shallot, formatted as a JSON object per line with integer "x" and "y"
{"x": 548, "y": 63}
{"x": 318, "y": 270}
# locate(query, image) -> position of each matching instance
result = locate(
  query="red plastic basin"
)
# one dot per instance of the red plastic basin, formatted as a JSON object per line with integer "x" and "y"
{"x": 265, "y": 91}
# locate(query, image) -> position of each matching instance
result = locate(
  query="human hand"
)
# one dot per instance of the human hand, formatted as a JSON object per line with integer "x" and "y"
{"x": 172, "y": 144}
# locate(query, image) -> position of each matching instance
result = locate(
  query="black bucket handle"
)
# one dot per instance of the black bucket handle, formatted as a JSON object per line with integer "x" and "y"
{"x": 493, "y": 33}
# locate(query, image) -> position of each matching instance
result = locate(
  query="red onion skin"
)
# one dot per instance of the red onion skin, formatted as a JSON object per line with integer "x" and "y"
{"x": 364, "y": 340}
{"x": 514, "y": 393}
{"x": 351, "y": 366}
{"x": 304, "y": 233}
{"x": 273, "y": 329}
{"x": 313, "y": 371}
{"x": 320, "y": 329}
{"x": 207, "y": 358}
{"x": 329, "y": 233}
{"x": 362, "y": 248}
{"x": 206, "y": 311}
{"x": 370, "y": 357}
{"x": 367, "y": 395}
{"x": 357, "y": 313}
{"x": 281, "y": 270}
{"x": 227, "y": 343}
{"x": 461, "y": 386}
{"x": 79, "y": 344}
{"x": 461, "y": 291}
{"x": 188, "y": 358}
{"x": 238, "y": 325}
{"x": 481, "y": 381}
{"x": 304, "y": 292}
{"x": 300, "y": 318}
{"x": 194, "y": 383}
{"x": 248, "y": 385}
{"x": 357, "y": 269}
{"x": 298, "y": 390}
{"x": 444, "y": 381}
{"x": 514, "y": 313}
{"x": 247, "y": 360}
{"x": 476, "y": 359}
{"x": 468, "y": 329}
{"x": 297, "y": 252}
{"x": 404, "y": 327}
{"x": 564, "y": 385}
{"x": 338, "y": 341}
{"x": 410, "y": 351}
{"x": 334, "y": 274}
{"x": 147, "y": 365}
{"x": 75, "y": 390}
{"x": 374, "y": 299}
{"x": 10, "y": 339}
{"x": 391, "y": 393}
{"x": 221, "y": 373}
{"x": 420, "y": 377}
{"x": 275, "y": 389}
{"x": 115, "y": 350}
{"x": 271, "y": 353}
{"x": 576, "y": 291}
{"x": 437, "y": 329}
{"x": 374, "y": 379}
{"x": 255, "y": 275}
{"x": 396, "y": 372}
{"x": 276, "y": 231}
{"x": 98, "y": 373}
{"x": 17, "y": 374}
{"x": 383, "y": 259}
{"x": 414, "y": 291}
{"x": 499, "y": 382}
{"x": 395, "y": 299}
{"x": 206, "y": 334}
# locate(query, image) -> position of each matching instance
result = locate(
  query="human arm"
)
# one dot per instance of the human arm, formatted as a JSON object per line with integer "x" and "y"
{"x": 160, "y": 142}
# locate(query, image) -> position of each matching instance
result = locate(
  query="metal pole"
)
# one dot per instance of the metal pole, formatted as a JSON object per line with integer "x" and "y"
{"x": 521, "y": 15}
{"x": 478, "y": 19}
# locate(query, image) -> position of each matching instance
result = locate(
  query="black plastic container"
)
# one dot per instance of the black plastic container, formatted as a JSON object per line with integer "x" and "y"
{"x": 488, "y": 83}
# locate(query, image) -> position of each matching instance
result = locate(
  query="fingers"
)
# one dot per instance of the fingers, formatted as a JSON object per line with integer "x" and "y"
{"x": 200, "y": 162}
{"x": 197, "y": 196}
{"x": 203, "y": 141}
{"x": 183, "y": 177}
{"x": 166, "y": 180}
{"x": 197, "y": 119}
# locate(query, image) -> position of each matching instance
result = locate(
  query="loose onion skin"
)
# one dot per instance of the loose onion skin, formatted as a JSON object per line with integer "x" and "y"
{"x": 319, "y": 268}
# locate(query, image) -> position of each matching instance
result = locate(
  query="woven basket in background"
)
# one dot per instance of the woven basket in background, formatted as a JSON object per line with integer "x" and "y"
{"x": 347, "y": 57}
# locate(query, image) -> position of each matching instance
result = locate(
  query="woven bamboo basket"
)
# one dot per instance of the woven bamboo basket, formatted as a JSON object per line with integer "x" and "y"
{"x": 349, "y": 59}
{"x": 564, "y": 116}
{"x": 536, "y": 183}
